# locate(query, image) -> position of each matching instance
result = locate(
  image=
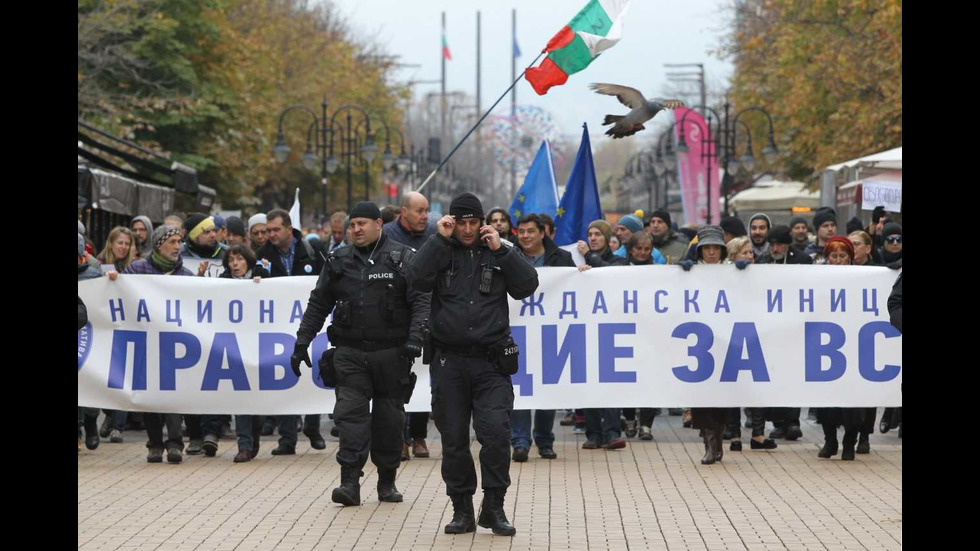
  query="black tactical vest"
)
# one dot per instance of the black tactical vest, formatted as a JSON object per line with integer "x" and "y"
{"x": 371, "y": 303}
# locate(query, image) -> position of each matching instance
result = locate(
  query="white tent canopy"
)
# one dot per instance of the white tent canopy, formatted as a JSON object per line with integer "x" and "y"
{"x": 772, "y": 195}
{"x": 886, "y": 160}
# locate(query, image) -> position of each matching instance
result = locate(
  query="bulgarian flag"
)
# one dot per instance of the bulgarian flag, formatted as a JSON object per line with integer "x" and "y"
{"x": 595, "y": 29}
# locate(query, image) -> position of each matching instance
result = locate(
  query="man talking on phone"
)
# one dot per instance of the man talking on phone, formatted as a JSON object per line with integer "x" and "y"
{"x": 471, "y": 354}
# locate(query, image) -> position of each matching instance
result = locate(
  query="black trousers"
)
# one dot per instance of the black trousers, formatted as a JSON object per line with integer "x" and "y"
{"x": 646, "y": 415}
{"x": 756, "y": 416}
{"x": 154, "y": 430}
{"x": 709, "y": 418}
{"x": 852, "y": 419}
{"x": 785, "y": 417}
{"x": 465, "y": 388}
{"x": 416, "y": 425}
{"x": 363, "y": 378}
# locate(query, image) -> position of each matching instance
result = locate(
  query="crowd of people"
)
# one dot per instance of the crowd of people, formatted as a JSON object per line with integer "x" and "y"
{"x": 269, "y": 245}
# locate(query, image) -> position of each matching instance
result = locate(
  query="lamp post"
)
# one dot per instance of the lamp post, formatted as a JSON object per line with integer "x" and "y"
{"x": 316, "y": 144}
{"x": 323, "y": 148}
{"x": 746, "y": 161}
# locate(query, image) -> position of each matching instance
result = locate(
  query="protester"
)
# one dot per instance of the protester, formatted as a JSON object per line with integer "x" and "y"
{"x": 338, "y": 230}
{"x": 670, "y": 243}
{"x": 891, "y": 251}
{"x": 120, "y": 249}
{"x": 542, "y": 252}
{"x": 759, "y": 226}
{"x": 596, "y": 252}
{"x": 164, "y": 260}
{"x": 549, "y": 225}
{"x": 640, "y": 252}
{"x": 602, "y": 427}
{"x": 287, "y": 254}
{"x": 711, "y": 421}
{"x": 87, "y": 417}
{"x": 825, "y": 222}
{"x": 499, "y": 219}
{"x": 840, "y": 252}
{"x": 220, "y": 230}
{"x": 862, "y": 248}
{"x": 119, "y": 252}
{"x": 800, "y": 231}
{"x": 142, "y": 229}
{"x": 891, "y": 256}
{"x": 236, "y": 231}
{"x": 624, "y": 230}
{"x": 412, "y": 229}
{"x": 202, "y": 239}
{"x": 257, "y": 234}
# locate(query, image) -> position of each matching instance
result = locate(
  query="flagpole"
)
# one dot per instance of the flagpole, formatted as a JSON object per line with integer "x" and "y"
{"x": 479, "y": 122}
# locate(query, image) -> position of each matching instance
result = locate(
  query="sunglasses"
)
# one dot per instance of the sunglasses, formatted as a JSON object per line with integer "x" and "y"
{"x": 893, "y": 240}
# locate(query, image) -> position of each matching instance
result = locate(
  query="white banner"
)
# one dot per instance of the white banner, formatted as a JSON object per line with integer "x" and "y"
{"x": 639, "y": 336}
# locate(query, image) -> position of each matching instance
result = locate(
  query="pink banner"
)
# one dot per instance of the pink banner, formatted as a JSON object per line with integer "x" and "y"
{"x": 692, "y": 168}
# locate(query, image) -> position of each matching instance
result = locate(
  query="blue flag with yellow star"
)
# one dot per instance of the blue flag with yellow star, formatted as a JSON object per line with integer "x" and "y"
{"x": 580, "y": 204}
{"x": 539, "y": 194}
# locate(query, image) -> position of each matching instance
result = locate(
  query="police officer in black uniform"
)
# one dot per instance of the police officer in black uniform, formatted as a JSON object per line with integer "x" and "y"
{"x": 470, "y": 273}
{"x": 377, "y": 334}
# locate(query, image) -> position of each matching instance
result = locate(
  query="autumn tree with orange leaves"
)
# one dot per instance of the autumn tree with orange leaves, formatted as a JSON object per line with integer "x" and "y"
{"x": 830, "y": 73}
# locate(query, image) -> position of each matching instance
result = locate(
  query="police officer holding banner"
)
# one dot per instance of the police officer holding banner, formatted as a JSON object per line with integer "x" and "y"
{"x": 472, "y": 355}
{"x": 376, "y": 334}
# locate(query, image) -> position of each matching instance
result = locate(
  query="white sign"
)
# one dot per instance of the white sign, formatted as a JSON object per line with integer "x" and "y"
{"x": 881, "y": 193}
{"x": 639, "y": 336}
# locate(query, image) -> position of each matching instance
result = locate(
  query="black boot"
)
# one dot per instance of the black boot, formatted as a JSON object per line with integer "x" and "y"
{"x": 864, "y": 444}
{"x": 829, "y": 448}
{"x": 718, "y": 443}
{"x": 850, "y": 439}
{"x": 349, "y": 491}
{"x": 387, "y": 492}
{"x": 463, "y": 519}
{"x": 492, "y": 513}
{"x": 709, "y": 446}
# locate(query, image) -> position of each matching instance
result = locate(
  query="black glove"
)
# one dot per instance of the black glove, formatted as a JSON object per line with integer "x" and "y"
{"x": 410, "y": 350}
{"x": 686, "y": 265}
{"x": 300, "y": 355}
{"x": 742, "y": 264}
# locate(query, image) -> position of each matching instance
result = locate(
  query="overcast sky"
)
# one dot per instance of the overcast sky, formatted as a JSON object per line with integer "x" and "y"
{"x": 655, "y": 32}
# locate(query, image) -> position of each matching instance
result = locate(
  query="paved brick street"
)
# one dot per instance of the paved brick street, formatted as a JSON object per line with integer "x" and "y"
{"x": 652, "y": 495}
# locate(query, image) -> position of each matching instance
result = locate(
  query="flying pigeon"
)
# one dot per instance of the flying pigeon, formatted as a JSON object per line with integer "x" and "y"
{"x": 642, "y": 109}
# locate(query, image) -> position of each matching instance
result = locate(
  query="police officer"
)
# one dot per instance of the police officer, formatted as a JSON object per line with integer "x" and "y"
{"x": 470, "y": 273}
{"x": 377, "y": 334}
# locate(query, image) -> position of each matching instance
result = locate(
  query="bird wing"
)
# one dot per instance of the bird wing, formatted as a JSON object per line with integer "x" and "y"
{"x": 669, "y": 103}
{"x": 630, "y": 97}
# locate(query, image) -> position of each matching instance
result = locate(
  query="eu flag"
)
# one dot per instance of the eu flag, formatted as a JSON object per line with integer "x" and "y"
{"x": 539, "y": 194}
{"x": 580, "y": 204}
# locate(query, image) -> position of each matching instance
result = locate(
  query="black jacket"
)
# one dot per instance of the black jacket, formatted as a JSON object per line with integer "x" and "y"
{"x": 257, "y": 271}
{"x": 555, "y": 256}
{"x": 301, "y": 260}
{"x": 372, "y": 297}
{"x": 794, "y": 255}
{"x": 607, "y": 258}
{"x": 895, "y": 304}
{"x": 82, "y": 314}
{"x": 399, "y": 234}
{"x": 461, "y": 315}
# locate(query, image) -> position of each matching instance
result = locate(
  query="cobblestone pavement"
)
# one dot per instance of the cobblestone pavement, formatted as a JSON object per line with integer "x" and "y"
{"x": 651, "y": 495}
